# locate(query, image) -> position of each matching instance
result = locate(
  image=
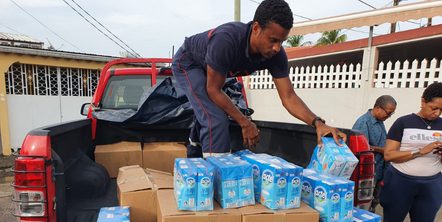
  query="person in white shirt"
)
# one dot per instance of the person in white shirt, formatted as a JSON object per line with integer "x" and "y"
{"x": 413, "y": 182}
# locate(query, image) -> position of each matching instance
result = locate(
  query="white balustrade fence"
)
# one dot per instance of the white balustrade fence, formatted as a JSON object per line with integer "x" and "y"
{"x": 314, "y": 77}
{"x": 418, "y": 74}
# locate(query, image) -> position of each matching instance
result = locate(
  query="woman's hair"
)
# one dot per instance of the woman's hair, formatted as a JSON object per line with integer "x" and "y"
{"x": 432, "y": 91}
{"x": 277, "y": 11}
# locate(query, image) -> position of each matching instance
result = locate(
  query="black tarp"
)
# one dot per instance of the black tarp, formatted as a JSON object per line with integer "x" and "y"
{"x": 167, "y": 104}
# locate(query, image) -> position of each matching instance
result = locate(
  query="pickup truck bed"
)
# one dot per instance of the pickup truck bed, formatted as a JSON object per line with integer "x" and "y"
{"x": 83, "y": 186}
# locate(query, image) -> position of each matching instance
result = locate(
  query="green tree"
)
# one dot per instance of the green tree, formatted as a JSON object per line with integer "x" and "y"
{"x": 295, "y": 41}
{"x": 331, "y": 37}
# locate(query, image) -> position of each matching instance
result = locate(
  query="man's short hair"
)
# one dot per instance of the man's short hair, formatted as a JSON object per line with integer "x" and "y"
{"x": 277, "y": 11}
{"x": 432, "y": 91}
{"x": 384, "y": 100}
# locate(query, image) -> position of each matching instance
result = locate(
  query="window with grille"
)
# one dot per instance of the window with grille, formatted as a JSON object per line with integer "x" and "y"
{"x": 26, "y": 79}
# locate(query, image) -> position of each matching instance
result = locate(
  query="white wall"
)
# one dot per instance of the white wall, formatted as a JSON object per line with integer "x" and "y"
{"x": 339, "y": 107}
{"x": 27, "y": 112}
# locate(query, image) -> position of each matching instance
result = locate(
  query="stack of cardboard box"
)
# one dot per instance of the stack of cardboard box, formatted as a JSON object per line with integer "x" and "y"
{"x": 158, "y": 156}
{"x": 149, "y": 193}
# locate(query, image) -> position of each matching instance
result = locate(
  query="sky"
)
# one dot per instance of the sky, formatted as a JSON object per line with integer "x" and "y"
{"x": 155, "y": 29}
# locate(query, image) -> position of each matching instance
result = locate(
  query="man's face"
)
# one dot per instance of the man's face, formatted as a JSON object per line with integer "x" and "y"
{"x": 383, "y": 113}
{"x": 268, "y": 41}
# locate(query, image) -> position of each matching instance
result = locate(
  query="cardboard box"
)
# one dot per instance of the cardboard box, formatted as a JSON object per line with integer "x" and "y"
{"x": 137, "y": 188}
{"x": 161, "y": 156}
{"x": 168, "y": 211}
{"x": 260, "y": 213}
{"x": 114, "y": 156}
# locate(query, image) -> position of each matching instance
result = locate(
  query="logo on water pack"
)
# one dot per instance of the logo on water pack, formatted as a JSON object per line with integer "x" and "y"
{"x": 320, "y": 194}
{"x": 315, "y": 164}
{"x": 255, "y": 171}
{"x": 349, "y": 196}
{"x": 335, "y": 198}
{"x": 321, "y": 151}
{"x": 267, "y": 177}
{"x": 296, "y": 181}
{"x": 180, "y": 182}
{"x": 190, "y": 182}
{"x": 306, "y": 188}
{"x": 205, "y": 181}
{"x": 282, "y": 182}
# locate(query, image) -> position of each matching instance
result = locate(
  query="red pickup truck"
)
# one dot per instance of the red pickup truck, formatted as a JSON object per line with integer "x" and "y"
{"x": 56, "y": 178}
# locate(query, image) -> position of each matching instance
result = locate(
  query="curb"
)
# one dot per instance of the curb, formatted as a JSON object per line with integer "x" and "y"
{"x": 5, "y": 170}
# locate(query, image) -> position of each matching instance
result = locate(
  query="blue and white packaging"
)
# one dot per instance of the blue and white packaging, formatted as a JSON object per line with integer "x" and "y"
{"x": 322, "y": 195}
{"x": 246, "y": 188}
{"x": 307, "y": 188}
{"x": 332, "y": 159}
{"x": 360, "y": 215}
{"x": 226, "y": 178}
{"x": 234, "y": 181}
{"x": 294, "y": 179}
{"x": 205, "y": 186}
{"x": 270, "y": 158}
{"x": 314, "y": 164}
{"x": 273, "y": 186}
{"x": 351, "y": 162}
{"x": 347, "y": 189}
{"x": 193, "y": 186}
{"x": 243, "y": 152}
{"x": 327, "y": 199}
{"x": 257, "y": 165}
{"x": 185, "y": 188}
{"x": 114, "y": 214}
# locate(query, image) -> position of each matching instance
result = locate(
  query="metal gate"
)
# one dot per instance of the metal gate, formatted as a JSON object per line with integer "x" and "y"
{"x": 41, "y": 95}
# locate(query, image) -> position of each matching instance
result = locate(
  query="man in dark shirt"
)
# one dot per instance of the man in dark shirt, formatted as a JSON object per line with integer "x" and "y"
{"x": 205, "y": 60}
{"x": 372, "y": 125}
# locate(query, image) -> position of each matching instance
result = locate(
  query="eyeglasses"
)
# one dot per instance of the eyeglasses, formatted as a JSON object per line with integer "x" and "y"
{"x": 388, "y": 114}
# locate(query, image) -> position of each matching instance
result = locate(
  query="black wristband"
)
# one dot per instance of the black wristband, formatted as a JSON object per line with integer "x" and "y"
{"x": 316, "y": 119}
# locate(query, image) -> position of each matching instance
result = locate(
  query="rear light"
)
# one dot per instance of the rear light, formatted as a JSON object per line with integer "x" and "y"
{"x": 30, "y": 220}
{"x": 29, "y": 172}
{"x": 365, "y": 205}
{"x": 358, "y": 143}
{"x": 29, "y": 196}
{"x": 364, "y": 175}
{"x": 30, "y": 209}
{"x": 29, "y": 203}
{"x": 366, "y": 164}
{"x": 365, "y": 189}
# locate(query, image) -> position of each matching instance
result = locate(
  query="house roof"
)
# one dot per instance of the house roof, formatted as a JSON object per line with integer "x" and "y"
{"x": 17, "y": 37}
{"x": 298, "y": 52}
{"x": 56, "y": 53}
{"x": 426, "y": 9}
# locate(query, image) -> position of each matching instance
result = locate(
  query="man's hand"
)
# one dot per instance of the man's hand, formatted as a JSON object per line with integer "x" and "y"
{"x": 250, "y": 133}
{"x": 323, "y": 129}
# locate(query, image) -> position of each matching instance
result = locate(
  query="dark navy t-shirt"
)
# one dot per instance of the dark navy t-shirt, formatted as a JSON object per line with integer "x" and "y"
{"x": 412, "y": 133}
{"x": 226, "y": 50}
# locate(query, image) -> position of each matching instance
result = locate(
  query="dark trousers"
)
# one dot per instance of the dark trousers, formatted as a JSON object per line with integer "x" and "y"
{"x": 402, "y": 194}
{"x": 213, "y": 121}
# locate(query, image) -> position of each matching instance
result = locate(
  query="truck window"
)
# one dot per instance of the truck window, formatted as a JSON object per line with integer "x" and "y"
{"x": 124, "y": 92}
{"x": 160, "y": 78}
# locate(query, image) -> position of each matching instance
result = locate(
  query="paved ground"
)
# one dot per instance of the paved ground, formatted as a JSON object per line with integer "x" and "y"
{"x": 6, "y": 205}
